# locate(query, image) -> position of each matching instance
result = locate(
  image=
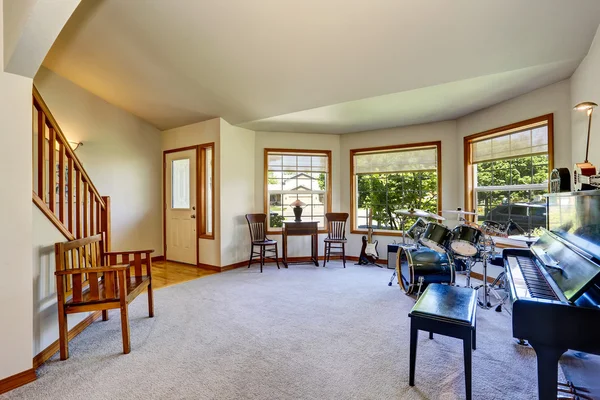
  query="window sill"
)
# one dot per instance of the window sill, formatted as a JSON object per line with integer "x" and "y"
{"x": 320, "y": 231}
{"x": 378, "y": 233}
{"x": 210, "y": 237}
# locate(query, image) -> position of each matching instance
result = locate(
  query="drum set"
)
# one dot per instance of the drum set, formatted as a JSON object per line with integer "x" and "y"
{"x": 438, "y": 253}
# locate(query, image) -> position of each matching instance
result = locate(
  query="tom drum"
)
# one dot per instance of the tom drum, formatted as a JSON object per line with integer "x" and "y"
{"x": 465, "y": 240}
{"x": 436, "y": 237}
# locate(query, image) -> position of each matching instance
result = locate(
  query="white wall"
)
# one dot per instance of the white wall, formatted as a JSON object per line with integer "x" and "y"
{"x": 297, "y": 246}
{"x": 585, "y": 86}
{"x": 237, "y": 191}
{"x": 45, "y": 317}
{"x": 209, "y": 250}
{"x": 16, "y": 295}
{"x": 554, "y": 98}
{"x": 121, "y": 154}
{"x": 440, "y": 131}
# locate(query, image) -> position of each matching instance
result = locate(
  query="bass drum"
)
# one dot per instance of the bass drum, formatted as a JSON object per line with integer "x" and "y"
{"x": 413, "y": 263}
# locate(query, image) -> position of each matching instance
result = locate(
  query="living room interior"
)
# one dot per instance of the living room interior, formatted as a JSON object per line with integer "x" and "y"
{"x": 170, "y": 122}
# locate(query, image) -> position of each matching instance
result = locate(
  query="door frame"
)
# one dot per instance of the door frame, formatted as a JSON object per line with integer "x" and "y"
{"x": 164, "y": 173}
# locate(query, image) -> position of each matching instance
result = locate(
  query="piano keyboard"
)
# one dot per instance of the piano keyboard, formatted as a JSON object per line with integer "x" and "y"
{"x": 529, "y": 280}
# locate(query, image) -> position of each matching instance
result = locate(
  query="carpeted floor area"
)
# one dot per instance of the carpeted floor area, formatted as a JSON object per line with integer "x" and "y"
{"x": 297, "y": 333}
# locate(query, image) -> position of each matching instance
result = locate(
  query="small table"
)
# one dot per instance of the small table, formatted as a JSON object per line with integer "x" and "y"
{"x": 302, "y": 229}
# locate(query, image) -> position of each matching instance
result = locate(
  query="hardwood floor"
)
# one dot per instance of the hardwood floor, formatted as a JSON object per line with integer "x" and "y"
{"x": 167, "y": 273}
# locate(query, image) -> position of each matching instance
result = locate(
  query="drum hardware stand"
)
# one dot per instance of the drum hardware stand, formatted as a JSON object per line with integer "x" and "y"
{"x": 487, "y": 288}
{"x": 421, "y": 281}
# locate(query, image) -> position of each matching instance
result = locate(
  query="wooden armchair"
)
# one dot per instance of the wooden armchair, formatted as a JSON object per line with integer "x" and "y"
{"x": 90, "y": 279}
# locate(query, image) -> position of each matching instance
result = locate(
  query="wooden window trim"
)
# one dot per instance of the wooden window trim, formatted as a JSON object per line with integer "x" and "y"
{"x": 353, "y": 152}
{"x": 468, "y": 141}
{"x": 266, "y": 186}
{"x": 202, "y": 196}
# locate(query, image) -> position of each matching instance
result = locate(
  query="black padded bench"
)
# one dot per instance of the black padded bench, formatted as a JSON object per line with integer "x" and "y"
{"x": 447, "y": 310}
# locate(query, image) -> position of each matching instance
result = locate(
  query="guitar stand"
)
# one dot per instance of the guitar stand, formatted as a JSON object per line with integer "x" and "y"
{"x": 369, "y": 263}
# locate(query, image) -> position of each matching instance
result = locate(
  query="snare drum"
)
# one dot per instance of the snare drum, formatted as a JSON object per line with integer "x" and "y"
{"x": 493, "y": 228}
{"x": 464, "y": 240}
{"x": 413, "y": 263}
{"x": 436, "y": 237}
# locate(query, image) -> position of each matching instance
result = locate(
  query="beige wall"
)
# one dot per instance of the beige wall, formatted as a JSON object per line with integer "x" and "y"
{"x": 554, "y": 98}
{"x": 16, "y": 292}
{"x": 297, "y": 246}
{"x": 121, "y": 154}
{"x": 237, "y": 191}
{"x": 45, "y": 315}
{"x": 191, "y": 135}
{"x": 585, "y": 86}
{"x": 442, "y": 131}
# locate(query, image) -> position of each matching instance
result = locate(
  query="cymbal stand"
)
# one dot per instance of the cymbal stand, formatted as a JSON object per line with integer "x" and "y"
{"x": 488, "y": 289}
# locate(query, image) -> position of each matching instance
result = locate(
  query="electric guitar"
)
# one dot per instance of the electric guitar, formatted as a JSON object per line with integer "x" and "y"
{"x": 368, "y": 252}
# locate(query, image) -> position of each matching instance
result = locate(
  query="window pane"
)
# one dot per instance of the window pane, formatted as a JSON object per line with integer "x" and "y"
{"x": 180, "y": 183}
{"x": 209, "y": 186}
{"x": 292, "y": 177}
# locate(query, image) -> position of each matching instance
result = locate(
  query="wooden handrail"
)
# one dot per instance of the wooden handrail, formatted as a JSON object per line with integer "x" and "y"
{"x": 41, "y": 105}
{"x": 87, "y": 212}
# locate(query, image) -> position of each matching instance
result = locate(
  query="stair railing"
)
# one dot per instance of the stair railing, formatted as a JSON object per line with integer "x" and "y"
{"x": 62, "y": 189}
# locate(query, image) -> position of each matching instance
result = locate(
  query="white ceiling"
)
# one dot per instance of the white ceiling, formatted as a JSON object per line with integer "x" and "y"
{"x": 328, "y": 66}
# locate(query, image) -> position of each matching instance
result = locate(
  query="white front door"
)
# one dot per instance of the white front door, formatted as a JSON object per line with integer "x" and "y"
{"x": 180, "y": 210}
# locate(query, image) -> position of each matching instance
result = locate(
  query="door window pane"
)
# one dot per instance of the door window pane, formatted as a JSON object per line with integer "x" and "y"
{"x": 208, "y": 189}
{"x": 180, "y": 183}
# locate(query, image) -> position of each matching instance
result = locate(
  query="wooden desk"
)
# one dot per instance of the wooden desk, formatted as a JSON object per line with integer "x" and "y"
{"x": 302, "y": 229}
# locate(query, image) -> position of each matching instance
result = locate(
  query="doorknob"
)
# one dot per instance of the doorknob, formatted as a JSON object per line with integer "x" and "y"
{"x": 193, "y": 215}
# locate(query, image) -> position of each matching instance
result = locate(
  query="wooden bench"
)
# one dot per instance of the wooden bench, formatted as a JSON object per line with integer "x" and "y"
{"x": 90, "y": 279}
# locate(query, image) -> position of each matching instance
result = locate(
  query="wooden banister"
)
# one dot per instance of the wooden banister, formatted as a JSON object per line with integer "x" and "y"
{"x": 63, "y": 190}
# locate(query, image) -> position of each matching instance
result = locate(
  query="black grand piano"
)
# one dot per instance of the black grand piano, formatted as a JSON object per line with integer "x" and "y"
{"x": 555, "y": 285}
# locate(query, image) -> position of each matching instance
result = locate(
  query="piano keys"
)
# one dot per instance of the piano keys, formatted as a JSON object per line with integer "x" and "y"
{"x": 554, "y": 286}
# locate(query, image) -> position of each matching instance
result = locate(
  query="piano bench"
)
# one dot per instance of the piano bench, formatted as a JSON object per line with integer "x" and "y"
{"x": 449, "y": 311}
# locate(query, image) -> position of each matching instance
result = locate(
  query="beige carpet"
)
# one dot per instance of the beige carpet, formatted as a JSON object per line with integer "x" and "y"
{"x": 297, "y": 333}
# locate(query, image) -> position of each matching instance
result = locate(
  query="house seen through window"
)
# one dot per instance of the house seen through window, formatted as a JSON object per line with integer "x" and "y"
{"x": 297, "y": 175}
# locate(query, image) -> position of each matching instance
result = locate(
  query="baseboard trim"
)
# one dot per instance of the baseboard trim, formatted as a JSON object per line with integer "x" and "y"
{"x": 158, "y": 258}
{"x": 479, "y": 276}
{"x": 234, "y": 266}
{"x": 51, "y": 350}
{"x": 209, "y": 266}
{"x": 223, "y": 268}
{"x": 17, "y": 380}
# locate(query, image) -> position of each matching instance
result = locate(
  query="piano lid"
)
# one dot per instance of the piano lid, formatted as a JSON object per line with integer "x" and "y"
{"x": 575, "y": 217}
{"x": 571, "y": 270}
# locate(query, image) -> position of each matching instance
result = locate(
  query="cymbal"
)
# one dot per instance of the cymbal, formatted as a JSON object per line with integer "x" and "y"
{"x": 435, "y": 216}
{"x": 413, "y": 213}
{"x": 531, "y": 205}
{"x": 459, "y": 212}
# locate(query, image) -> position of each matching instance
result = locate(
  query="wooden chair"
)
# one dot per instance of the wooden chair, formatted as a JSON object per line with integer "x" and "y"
{"x": 257, "y": 223}
{"x": 90, "y": 279}
{"x": 336, "y": 236}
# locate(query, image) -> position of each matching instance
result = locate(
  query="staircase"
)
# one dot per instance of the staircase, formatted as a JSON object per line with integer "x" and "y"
{"x": 62, "y": 189}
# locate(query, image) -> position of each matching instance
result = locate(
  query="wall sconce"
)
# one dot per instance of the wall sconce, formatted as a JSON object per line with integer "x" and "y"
{"x": 297, "y": 207}
{"x": 75, "y": 145}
